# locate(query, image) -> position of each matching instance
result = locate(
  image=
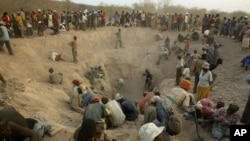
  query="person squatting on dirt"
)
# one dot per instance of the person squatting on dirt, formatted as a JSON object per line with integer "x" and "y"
{"x": 73, "y": 45}
{"x": 177, "y": 50}
{"x": 5, "y": 38}
{"x": 127, "y": 107}
{"x": 150, "y": 110}
{"x": 224, "y": 117}
{"x": 96, "y": 110}
{"x": 117, "y": 117}
{"x": 118, "y": 38}
{"x": 55, "y": 77}
{"x": 245, "y": 62}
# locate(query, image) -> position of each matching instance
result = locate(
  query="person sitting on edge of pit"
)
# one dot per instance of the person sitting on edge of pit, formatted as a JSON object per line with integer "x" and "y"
{"x": 127, "y": 107}
{"x": 55, "y": 77}
{"x": 75, "y": 100}
{"x": 56, "y": 56}
{"x": 86, "y": 97}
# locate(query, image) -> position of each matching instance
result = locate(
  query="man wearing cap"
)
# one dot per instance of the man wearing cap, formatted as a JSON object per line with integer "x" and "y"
{"x": 205, "y": 79}
{"x": 96, "y": 110}
{"x": 75, "y": 100}
{"x": 5, "y": 38}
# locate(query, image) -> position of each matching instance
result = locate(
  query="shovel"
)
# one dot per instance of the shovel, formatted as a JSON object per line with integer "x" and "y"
{"x": 199, "y": 138}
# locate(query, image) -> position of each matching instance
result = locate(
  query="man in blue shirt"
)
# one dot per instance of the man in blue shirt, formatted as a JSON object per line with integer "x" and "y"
{"x": 127, "y": 107}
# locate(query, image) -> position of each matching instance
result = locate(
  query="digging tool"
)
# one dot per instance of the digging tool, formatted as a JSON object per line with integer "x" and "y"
{"x": 199, "y": 138}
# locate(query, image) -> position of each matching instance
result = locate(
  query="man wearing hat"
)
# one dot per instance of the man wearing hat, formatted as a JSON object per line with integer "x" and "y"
{"x": 5, "y": 38}
{"x": 205, "y": 79}
{"x": 150, "y": 132}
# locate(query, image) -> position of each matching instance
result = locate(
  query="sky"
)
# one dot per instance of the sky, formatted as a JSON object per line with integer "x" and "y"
{"x": 221, "y": 5}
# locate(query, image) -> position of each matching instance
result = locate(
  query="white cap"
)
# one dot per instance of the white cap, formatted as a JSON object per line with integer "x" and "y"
{"x": 118, "y": 96}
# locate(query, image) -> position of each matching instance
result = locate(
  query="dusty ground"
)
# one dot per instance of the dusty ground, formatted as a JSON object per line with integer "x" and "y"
{"x": 31, "y": 63}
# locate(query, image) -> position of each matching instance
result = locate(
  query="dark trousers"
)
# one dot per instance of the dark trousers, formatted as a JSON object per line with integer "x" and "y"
{"x": 196, "y": 80}
{"x": 7, "y": 44}
{"x": 178, "y": 75}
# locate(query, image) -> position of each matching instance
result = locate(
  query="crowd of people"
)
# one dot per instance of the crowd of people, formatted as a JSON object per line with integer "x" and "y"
{"x": 159, "y": 108}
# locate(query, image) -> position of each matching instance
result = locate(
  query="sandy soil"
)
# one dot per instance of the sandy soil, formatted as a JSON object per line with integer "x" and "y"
{"x": 31, "y": 63}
